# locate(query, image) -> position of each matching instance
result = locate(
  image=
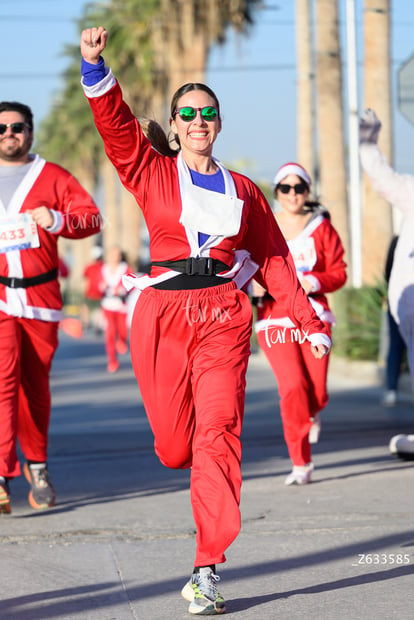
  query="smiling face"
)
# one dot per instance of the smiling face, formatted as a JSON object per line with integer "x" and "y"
{"x": 197, "y": 136}
{"x": 14, "y": 147}
{"x": 292, "y": 202}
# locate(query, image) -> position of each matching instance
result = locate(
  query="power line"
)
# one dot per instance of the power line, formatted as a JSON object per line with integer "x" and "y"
{"x": 36, "y": 76}
{"x": 48, "y": 18}
{"x": 30, "y": 76}
{"x": 36, "y": 18}
{"x": 230, "y": 69}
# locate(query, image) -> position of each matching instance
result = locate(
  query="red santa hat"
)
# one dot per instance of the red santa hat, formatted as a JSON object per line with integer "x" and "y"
{"x": 292, "y": 168}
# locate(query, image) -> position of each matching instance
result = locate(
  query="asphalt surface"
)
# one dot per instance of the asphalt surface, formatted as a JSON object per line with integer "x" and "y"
{"x": 119, "y": 544}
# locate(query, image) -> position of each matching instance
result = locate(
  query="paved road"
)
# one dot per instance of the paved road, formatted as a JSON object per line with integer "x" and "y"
{"x": 119, "y": 544}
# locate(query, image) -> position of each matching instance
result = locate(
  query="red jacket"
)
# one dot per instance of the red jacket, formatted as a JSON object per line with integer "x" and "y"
{"x": 93, "y": 277}
{"x": 318, "y": 255}
{"x": 76, "y": 215}
{"x": 153, "y": 179}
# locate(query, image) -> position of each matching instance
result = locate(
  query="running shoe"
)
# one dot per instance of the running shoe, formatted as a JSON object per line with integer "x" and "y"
{"x": 113, "y": 367}
{"x": 315, "y": 429}
{"x": 300, "y": 475}
{"x": 201, "y": 591}
{"x": 121, "y": 347}
{"x": 402, "y": 446}
{"x": 390, "y": 398}
{"x": 42, "y": 494}
{"x": 5, "y": 507}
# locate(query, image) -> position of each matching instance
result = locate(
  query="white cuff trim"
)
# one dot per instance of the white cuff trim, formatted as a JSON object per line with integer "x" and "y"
{"x": 100, "y": 88}
{"x": 315, "y": 283}
{"x": 316, "y": 339}
{"x": 57, "y": 222}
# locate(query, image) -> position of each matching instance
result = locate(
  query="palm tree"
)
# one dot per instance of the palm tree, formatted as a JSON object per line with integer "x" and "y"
{"x": 377, "y": 213}
{"x": 185, "y": 30}
{"x": 330, "y": 116}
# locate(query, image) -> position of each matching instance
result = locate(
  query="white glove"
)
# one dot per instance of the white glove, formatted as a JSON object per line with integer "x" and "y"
{"x": 369, "y": 127}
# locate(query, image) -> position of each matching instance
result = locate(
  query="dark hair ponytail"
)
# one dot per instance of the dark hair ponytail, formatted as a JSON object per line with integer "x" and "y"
{"x": 156, "y": 135}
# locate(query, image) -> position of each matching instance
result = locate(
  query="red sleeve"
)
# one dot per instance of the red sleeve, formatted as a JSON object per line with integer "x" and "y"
{"x": 330, "y": 268}
{"x": 80, "y": 215}
{"x": 129, "y": 150}
{"x": 277, "y": 273}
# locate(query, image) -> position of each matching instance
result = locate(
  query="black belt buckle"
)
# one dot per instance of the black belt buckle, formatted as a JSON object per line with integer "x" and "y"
{"x": 12, "y": 283}
{"x": 199, "y": 266}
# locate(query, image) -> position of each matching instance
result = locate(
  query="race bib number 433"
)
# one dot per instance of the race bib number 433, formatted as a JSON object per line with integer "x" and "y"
{"x": 18, "y": 233}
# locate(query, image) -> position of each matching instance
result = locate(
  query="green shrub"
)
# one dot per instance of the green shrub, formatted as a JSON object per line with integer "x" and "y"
{"x": 358, "y": 312}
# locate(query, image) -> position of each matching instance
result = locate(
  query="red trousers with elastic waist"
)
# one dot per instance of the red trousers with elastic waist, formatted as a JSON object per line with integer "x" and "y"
{"x": 190, "y": 350}
{"x": 27, "y": 347}
{"x": 302, "y": 385}
{"x": 116, "y": 330}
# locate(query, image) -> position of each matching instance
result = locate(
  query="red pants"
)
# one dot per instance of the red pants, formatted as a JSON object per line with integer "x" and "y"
{"x": 116, "y": 331}
{"x": 190, "y": 351}
{"x": 27, "y": 347}
{"x": 301, "y": 381}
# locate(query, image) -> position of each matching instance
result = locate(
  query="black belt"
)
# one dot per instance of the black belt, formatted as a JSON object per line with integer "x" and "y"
{"x": 194, "y": 266}
{"x": 33, "y": 281}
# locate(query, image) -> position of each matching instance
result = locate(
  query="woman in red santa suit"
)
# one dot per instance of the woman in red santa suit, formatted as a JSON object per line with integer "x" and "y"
{"x": 210, "y": 230}
{"x": 114, "y": 306}
{"x": 318, "y": 255}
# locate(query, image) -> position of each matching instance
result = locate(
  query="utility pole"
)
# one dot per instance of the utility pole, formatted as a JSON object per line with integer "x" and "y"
{"x": 353, "y": 149}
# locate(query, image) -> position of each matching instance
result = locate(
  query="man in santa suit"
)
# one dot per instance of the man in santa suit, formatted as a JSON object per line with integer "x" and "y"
{"x": 38, "y": 202}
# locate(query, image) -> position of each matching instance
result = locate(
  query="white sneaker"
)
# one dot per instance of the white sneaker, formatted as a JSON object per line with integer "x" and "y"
{"x": 202, "y": 593}
{"x": 300, "y": 474}
{"x": 315, "y": 430}
{"x": 390, "y": 398}
{"x": 402, "y": 444}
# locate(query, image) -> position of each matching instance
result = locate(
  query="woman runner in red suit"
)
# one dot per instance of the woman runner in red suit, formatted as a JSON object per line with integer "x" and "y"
{"x": 210, "y": 230}
{"x": 318, "y": 255}
{"x": 114, "y": 306}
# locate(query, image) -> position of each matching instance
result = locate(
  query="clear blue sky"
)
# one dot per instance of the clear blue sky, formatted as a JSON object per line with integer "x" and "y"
{"x": 254, "y": 76}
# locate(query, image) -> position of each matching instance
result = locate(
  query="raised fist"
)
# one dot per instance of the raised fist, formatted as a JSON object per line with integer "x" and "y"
{"x": 93, "y": 43}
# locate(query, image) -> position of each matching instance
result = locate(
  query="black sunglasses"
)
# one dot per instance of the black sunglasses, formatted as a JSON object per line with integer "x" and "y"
{"x": 299, "y": 188}
{"x": 15, "y": 127}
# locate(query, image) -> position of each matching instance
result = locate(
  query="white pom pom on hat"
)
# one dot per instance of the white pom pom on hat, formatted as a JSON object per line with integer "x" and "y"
{"x": 292, "y": 168}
